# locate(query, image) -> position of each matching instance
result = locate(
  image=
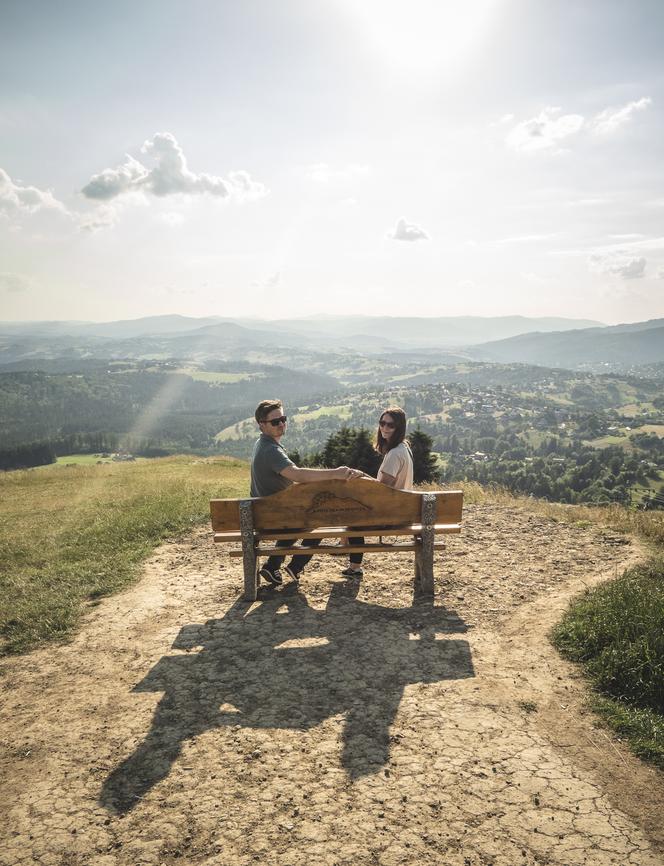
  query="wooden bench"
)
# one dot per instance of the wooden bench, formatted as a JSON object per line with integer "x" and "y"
{"x": 337, "y": 510}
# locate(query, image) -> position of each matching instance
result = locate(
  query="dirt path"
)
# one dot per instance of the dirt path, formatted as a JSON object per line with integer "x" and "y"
{"x": 337, "y": 724}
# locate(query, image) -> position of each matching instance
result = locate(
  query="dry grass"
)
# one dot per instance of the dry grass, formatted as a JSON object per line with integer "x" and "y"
{"x": 646, "y": 525}
{"x": 71, "y": 534}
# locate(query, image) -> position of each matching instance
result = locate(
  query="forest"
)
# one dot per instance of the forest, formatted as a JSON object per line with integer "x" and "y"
{"x": 556, "y": 434}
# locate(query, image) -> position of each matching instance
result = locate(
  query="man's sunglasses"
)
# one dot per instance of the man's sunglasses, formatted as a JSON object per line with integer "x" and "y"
{"x": 389, "y": 424}
{"x": 275, "y": 422}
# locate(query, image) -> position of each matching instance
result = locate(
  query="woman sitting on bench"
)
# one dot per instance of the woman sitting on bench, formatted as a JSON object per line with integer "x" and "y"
{"x": 396, "y": 470}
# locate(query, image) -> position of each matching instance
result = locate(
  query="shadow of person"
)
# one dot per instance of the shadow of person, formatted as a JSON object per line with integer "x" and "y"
{"x": 286, "y": 665}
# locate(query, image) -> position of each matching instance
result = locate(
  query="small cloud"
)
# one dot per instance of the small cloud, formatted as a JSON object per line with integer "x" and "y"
{"x": 323, "y": 173}
{"x": 502, "y": 121}
{"x": 243, "y": 188}
{"x": 660, "y": 274}
{"x": 544, "y": 132}
{"x": 103, "y": 217}
{"x": 173, "y": 290}
{"x": 273, "y": 281}
{"x": 406, "y": 231}
{"x": 618, "y": 264}
{"x": 17, "y": 199}
{"x": 14, "y": 283}
{"x": 611, "y": 119}
{"x": 550, "y": 128}
{"x": 112, "y": 182}
{"x": 169, "y": 176}
{"x": 532, "y": 277}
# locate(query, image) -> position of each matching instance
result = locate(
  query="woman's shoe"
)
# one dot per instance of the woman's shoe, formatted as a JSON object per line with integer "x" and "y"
{"x": 353, "y": 571}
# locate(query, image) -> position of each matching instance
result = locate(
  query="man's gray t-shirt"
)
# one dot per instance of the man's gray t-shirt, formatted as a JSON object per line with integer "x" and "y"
{"x": 267, "y": 461}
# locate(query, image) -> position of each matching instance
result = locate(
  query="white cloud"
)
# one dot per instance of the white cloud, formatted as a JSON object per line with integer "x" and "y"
{"x": 169, "y": 176}
{"x": 273, "y": 281}
{"x": 660, "y": 274}
{"x": 17, "y": 199}
{"x": 405, "y": 231}
{"x": 617, "y": 264}
{"x": 244, "y": 188}
{"x": 112, "y": 182}
{"x": 323, "y": 173}
{"x": 549, "y": 129}
{"x": 103, "y": 217}
{"x": 14, "y": 283}
{"x": 544, "y": 132}
{"x": 611, "y": 119}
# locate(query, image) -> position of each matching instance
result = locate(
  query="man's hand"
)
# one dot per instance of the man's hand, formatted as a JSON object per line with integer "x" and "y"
{"x": 306, "y": 476}
{"x": 346, "y": 473}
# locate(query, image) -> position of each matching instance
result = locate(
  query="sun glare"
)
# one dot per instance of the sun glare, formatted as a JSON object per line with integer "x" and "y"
{"x": 423, "y": 36}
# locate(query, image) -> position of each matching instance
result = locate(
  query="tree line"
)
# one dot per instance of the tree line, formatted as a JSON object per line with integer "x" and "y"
{"x": 352, "y": 446}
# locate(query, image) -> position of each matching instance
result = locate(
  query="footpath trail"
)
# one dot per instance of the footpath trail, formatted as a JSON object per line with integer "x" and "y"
{"x": 334, "y": 723}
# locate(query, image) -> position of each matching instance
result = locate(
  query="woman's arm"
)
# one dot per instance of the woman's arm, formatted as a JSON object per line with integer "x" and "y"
{"x": 384, "y": 478}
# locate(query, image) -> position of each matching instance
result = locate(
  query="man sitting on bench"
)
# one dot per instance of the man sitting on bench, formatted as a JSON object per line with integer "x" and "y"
{"x": 272, "y": 470}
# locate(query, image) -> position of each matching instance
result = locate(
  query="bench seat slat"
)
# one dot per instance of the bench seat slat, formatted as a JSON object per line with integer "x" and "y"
{"x": 338, "y": 549}
{"x": 341, "y": 532}
{"x": 228, "y": 536}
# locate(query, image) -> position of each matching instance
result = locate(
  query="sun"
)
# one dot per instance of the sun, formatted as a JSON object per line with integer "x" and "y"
{"x": 423, "y": 37}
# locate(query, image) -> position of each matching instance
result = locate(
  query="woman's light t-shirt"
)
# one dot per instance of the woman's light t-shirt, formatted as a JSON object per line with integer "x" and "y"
{"x": 398, "y": 463}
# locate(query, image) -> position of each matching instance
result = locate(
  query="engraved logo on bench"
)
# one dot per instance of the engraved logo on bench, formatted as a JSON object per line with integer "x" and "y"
{"x": 328, "y": 503}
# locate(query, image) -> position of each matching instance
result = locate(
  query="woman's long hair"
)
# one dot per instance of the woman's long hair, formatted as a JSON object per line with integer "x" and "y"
{"x": 399, "y": 435}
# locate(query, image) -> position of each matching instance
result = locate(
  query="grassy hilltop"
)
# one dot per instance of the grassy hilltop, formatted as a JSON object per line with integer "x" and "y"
{"x": 71, "y": 534}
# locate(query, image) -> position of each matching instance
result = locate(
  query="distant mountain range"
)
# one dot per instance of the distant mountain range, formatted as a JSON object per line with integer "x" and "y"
{"x": 615, "y": 347}
{"x": 363, "y": 333}
{"x": 551, "y": 342}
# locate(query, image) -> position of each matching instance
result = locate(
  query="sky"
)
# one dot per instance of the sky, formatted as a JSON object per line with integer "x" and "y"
{"x": 307, "y": 157}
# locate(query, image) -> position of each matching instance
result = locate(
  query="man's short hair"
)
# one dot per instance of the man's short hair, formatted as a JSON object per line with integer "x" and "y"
{"x": 264, "y": 408}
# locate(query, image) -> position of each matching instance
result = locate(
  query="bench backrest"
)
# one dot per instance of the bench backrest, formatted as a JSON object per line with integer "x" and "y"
{"x": 360, "y": 502}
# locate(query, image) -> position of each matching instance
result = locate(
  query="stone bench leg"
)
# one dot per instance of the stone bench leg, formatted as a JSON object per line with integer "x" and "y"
{"x": 424, "y": 552}
{"x": 249, "y": 558}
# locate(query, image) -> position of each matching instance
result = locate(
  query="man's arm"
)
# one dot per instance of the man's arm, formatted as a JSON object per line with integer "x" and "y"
{"x": 304, "y": 476}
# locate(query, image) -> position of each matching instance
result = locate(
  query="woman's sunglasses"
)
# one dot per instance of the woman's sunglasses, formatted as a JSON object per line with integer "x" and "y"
{"x": 389, "y": 424}
{"x": 275, "y": 422}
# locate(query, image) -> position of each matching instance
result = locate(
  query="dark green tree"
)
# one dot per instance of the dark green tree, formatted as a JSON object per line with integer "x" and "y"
{"x": 424, "y": 462}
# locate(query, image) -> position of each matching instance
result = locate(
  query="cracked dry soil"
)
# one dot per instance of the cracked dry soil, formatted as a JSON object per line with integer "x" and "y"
{"x": 337, "y": 722}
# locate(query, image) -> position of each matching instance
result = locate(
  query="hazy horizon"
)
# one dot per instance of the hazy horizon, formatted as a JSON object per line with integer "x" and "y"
{"x": 308, "y": 317}
{"x": 270, "y": 161}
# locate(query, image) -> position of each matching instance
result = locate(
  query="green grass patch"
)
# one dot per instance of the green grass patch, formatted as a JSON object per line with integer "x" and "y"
{"x": 606, "y": 441}
{"x": 341, "y": 411}
{"x": 641, "y": 728}
{"x": 616, "y": 631}
{"x": 218, "y": 378}
{"x": 240, "y": 430}
{"x": 634, "y": 409}
{"x": 71, "y": 536}
{"x": 658, "y": 429}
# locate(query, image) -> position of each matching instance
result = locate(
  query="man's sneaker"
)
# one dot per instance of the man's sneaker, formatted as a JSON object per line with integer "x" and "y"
{"x": 294, "y": 575}
{"x": 273, "y": 577}
{"x": 353, "y": 571}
